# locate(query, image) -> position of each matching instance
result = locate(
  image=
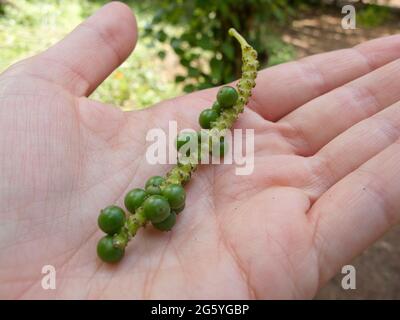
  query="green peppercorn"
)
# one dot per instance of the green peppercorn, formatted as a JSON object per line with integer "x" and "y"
{"x": 153, "y": 190}
{"x": 107, "y": 251}
{"x": 227, "y": 97}
{"x": 166, "y": 224}
{"x": 111, "y": 219}
{"x": 186, "y": 137}
{"x": 153, "y": 185}
{"x": 175, "y": 194}
{"x": 156, "y": 208}
{"x": 155, "y": 181}
{"x": 180, "y": 209}
{"x": 207, "y": 116}
{"x": 216, "y": 107}
{"x": 134, "y": 199}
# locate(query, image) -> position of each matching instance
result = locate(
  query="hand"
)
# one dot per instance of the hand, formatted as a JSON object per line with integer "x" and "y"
{"x": 325, "y": 183}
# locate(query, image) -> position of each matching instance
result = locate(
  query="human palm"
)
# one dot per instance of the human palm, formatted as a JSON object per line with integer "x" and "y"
{"x": 324, "y": 187}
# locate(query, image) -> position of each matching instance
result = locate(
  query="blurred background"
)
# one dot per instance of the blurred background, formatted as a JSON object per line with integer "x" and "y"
{"x": 184, "y": 47}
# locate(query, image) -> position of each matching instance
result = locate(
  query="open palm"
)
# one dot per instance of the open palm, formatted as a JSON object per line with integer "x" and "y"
{"x": 324, "y": 187}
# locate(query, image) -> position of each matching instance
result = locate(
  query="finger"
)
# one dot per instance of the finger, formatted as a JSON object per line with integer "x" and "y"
{"x": 322, "y": 119}
{"x": 283, "y": 88}
{"x": 352, "y": 148}
{"x": 86, "y": 56}
{"x": 356, "y": 211}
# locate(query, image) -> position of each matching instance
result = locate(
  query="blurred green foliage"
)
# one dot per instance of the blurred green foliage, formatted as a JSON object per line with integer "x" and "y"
{"x": 200, "y": 37}
{"x": 30, "y": 26}
{"x": 185, "y": 40}
{"x": 194, "y": 31}
{"x": 372, "y": 15}
{"x": 186, "y": 44}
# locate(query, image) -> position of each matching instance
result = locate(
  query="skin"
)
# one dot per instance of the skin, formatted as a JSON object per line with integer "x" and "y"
{"x": 324, "y": 188}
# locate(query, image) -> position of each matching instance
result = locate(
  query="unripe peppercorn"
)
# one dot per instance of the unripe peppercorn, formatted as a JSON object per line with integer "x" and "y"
{"x": 167, "y": 224}
{"x": 111, "y": 219}
{"x": 184, "y": 138}
{"x": 175, "y": 194}
{"x": 180, "y": 209}
{"x": 156, "y": 208}
{"x": 134, "y": 199}
{"x": 216, "y": 107}
{"x": 227, "y": 97}
{"x": 107, "y": 251}
{"x": 153, "y": 185}
{"x": 207, "y": 116}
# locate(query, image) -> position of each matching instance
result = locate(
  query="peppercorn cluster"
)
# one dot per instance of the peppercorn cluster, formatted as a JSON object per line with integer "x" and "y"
{"x": 163, "y": 198}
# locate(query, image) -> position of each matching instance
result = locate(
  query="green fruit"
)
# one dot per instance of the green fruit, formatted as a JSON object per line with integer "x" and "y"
{"x": 156, "y": 208}
{"x": 216, "y": 107}
{"x": 179, "y": 210}
{"x": 134, "y": 199}
{"x": 186, "y": 137}
{"x": 166, "y": 224}
{"x": 207, "y": 116}
{"x": 153, "y": 185}
{"x": 153, "y": 190}
{"x": 154, "y": 181}
{"x": 107, "y": 251}
{"x": 190, "y": 140}
{"x": 227, "y": 97}
{"x": 175, "y": 194}
{"x": 111, "y": 219}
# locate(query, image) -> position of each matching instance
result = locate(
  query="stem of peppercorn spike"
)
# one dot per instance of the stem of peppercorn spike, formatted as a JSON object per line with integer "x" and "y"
{"x": 129, "y": 230}
{"x": 233, "y": 33}
{"x": 244, "y": 85}
{"x": 181, "y": 173}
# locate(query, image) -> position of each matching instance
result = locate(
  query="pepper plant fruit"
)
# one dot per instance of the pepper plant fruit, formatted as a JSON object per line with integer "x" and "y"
{"x": 164, "y": 197}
